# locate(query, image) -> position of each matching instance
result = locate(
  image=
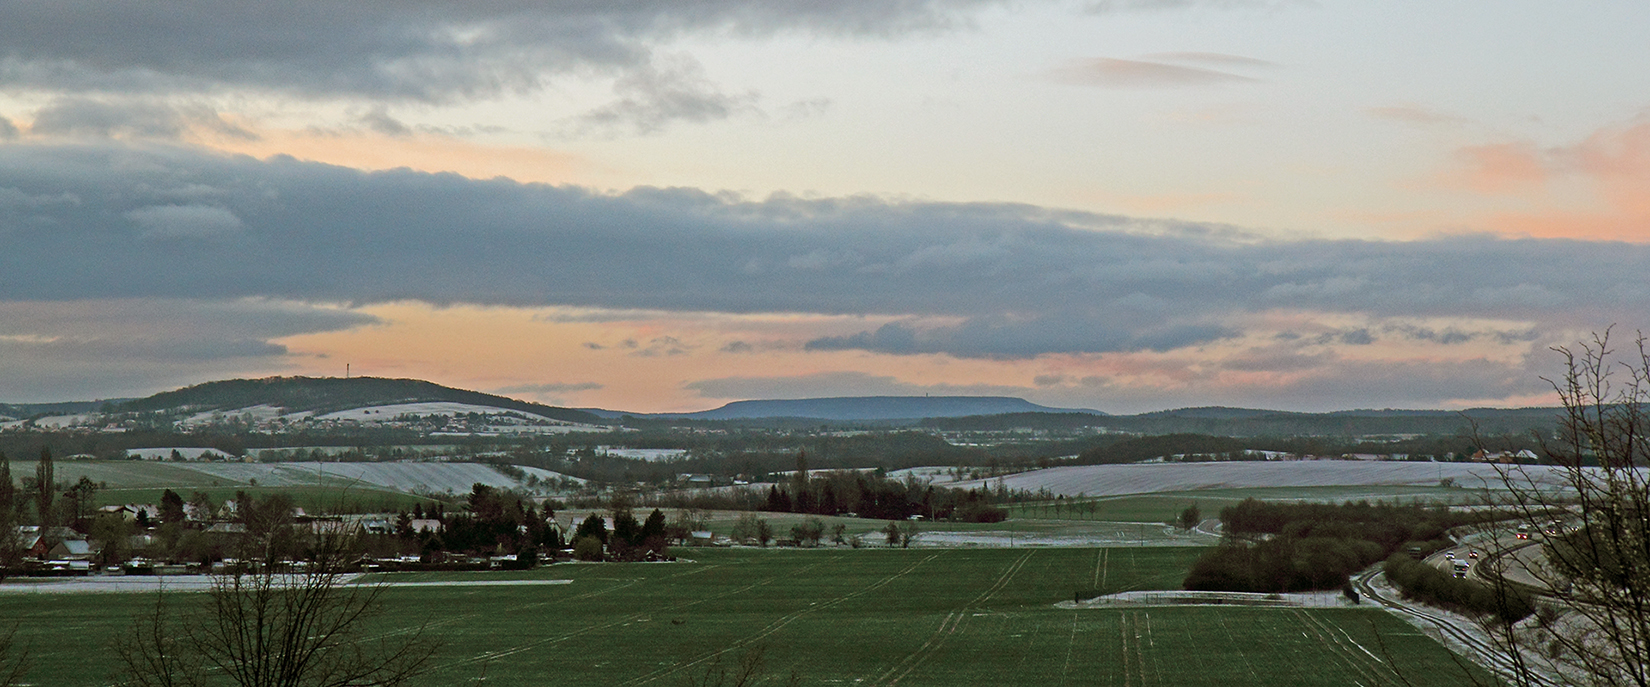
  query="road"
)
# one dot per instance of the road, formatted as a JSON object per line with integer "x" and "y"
{"x": 1372, "y": 586}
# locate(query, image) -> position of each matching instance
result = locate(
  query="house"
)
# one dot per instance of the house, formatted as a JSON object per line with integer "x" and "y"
{"x": 131, "y": 511}
{"x": 425, "y": 525}
{"x": 31, "y": 542}
{"x": 71, "y": 550}
{"x": 1482, "y": 456}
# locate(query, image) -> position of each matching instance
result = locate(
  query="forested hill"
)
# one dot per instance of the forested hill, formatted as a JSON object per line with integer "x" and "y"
{"x": 25, "y": 410}
{"x": 1218, "y": 421}
{"x": 328, "y": 394}
{"x": 868, "y": 408}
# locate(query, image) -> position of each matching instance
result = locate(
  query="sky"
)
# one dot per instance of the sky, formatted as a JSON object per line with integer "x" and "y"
{"x": 654, "y": 206}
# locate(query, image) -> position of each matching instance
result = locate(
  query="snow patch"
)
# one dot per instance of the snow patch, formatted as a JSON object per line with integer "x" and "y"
{"x": 257, "y": 413}
{"x": 63, "y": 421}
{"x": 188, "y": 453}
{"x": 390, "y": 412}
{"x": 651, "y": 455}
{"x": 407, "y": 477}
{"x": 1176, "y": 597}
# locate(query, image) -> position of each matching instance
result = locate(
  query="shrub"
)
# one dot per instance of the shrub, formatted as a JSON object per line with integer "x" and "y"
{"x": 1421, "y": 582}
{"x": 587, "y": 548}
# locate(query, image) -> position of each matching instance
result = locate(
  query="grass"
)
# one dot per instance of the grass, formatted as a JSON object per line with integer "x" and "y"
{"x": 1164, "y": 506}
{"x": 873, "y": 617}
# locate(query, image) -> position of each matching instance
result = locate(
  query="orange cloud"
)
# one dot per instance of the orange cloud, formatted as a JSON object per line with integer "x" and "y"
{"x": 1598, "y": 188}
{"x": 1499, "y": 168}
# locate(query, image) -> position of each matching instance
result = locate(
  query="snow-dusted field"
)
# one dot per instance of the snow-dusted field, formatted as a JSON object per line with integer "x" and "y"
{"x": 409, "y": 477}
{"x": 930, "y": 475}
{"x": 402, "y": 476}
{"x": 1117, "y": 480}
{"x": 165, "y": 452}
{"x": 647, "y": 454}
{"x": 121, "y": 584}
{"x": 1176, "y": 597}
{"x": 61, "y": 421}
{"x": 1145, "y": 534}
{"x": 258, "y": 413}
{"x": 390, "y": 412}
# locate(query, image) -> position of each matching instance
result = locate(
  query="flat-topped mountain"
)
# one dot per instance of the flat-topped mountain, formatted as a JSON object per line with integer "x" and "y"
{"x": 866, "y": 408}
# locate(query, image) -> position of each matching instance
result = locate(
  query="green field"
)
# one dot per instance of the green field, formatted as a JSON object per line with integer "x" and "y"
{"x": 834, "y": 616}
{"x": 1164, "y": 506}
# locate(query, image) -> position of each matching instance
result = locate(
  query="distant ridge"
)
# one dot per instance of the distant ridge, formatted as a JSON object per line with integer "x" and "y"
{"x": 328, "y": 394}
{"x": 863, "y": 408}
{"x": 23, "y": 410}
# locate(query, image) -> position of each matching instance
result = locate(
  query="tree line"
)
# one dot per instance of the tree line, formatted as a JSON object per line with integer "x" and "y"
{"x": 1282, "y": 547}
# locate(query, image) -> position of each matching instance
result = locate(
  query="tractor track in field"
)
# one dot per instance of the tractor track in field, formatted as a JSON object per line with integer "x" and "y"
{"x": 626, "y": 620}
{"x": 1134, "y": 654}
{"x": 1248, "y": 664}
{"x": 628, "y": 582}
{"x": 776, "y": 625}
{"x": 1071, "y": 647}
{"x": 1371, "y": 668}
{"x": 948, "y": 627}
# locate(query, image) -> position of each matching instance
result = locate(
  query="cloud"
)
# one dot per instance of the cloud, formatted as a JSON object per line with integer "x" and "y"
{"x": 1500, "y": 168}
{"x": 1612, "y": 164}
{"x": 1004, "y": 338}
{"x": 129, "y": 118}
{"x": 400, "y": 51}
{"x": 8, "y": 130}
{"x": 964, "y": 279}
{"x": 1110, "y": 6}
{"x": 1109, "y": 72}
{"x": 1413, "y": 114}
{"x": 836, "y": 384}
{"x": 89, "y": 348}
{"x": 1212, "y": 58}
{"x": 652, "y": 97}
{"x": 185, "y": 222}
{"x": 378, "y": 119}
{"x": 660, "y": 346}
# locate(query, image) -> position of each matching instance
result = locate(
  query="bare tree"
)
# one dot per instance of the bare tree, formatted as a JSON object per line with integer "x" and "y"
{"x": 14, "y": 661}
{"x": 751, "y": 670}
{"x": 1588, "y": 518}
{"x": 45, "y": 488}
{"x": 265, "y": 625}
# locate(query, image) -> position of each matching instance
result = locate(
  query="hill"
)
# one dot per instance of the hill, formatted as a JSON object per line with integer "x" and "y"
{"x": 27, "y": 410}
{"x": 1244, "y": 422}
{"x": 321, "y": 395}
{"x": 865, "y": 408}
